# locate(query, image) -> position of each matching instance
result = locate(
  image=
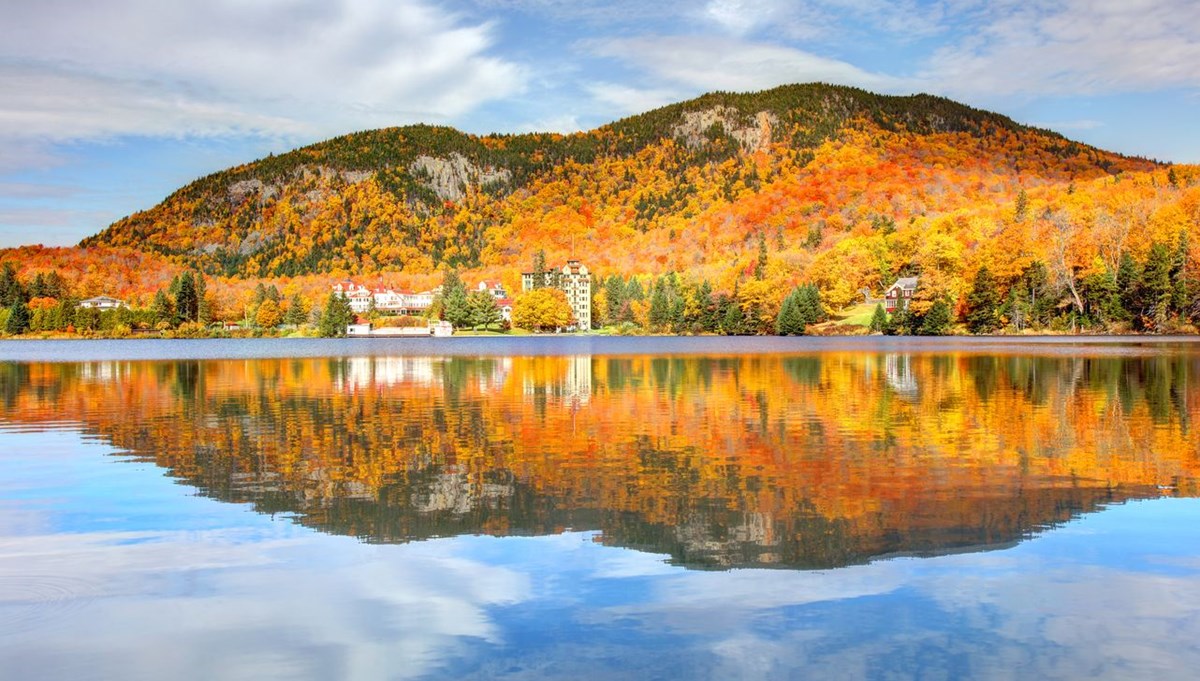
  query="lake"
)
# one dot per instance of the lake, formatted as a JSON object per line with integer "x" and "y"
{"x": 600, "y": 508}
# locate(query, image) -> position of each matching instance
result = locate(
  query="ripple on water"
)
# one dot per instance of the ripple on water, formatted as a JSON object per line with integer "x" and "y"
{"x": 28, "y": 601}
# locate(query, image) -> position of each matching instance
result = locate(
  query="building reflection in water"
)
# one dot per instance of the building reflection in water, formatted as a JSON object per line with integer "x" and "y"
{"x": 800, "y": 461}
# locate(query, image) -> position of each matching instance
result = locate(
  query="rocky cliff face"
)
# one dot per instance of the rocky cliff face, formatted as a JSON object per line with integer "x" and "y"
{"x": 697, "y": 127}
{"x": 450, "y": 177}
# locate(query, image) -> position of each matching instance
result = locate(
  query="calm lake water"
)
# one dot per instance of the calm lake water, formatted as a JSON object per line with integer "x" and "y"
{"x": 577, "y": 508}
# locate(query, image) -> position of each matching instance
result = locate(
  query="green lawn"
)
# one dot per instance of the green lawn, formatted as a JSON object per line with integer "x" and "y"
{"x": 859, "y": 315}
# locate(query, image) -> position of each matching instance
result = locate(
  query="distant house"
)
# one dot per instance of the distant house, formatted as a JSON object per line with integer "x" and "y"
{"x": 494, "y": 288}
{"x": 900, "y": 294}
{"x": 385, "y": 300}
{"x": 575, "y": 281}
{"x": 103, "y": 303}
{"x": 505, "y": 306}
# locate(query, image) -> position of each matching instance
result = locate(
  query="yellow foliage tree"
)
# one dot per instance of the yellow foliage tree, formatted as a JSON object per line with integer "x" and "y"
{"x": 543, "y": 308}
{"x": 269, "y": 314}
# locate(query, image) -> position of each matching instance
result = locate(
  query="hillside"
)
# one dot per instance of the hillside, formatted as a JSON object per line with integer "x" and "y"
{"x": 833, "y": 185}
{"x": 417, "y": 198}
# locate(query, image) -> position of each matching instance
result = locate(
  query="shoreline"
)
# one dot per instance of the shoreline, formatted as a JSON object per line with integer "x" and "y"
{"x": 180, "y": 349}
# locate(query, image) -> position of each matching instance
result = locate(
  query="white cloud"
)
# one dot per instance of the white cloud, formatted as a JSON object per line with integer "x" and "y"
{"x": 80, "y": 70}
{"x": 1081, "y": 47}
{"x": 235, "y": 604}
{"x": 704, "y": 63}
{"x": 630, "y": 100}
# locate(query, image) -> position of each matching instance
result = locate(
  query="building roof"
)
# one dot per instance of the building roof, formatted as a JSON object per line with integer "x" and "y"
{"x": 906, "y": 283}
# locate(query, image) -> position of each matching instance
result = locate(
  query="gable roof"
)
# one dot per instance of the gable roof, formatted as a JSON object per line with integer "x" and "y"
{"x": 905, "y": 283}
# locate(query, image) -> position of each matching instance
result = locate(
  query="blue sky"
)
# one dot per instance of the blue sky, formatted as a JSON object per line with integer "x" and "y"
{"x": 109, "y": 106}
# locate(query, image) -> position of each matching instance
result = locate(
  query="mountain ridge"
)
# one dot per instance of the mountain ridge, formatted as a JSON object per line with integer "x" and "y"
{"x": 418, "y": 169}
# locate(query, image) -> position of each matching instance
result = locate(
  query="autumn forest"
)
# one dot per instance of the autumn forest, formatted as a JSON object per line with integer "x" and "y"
{"x": 726, "y": 207}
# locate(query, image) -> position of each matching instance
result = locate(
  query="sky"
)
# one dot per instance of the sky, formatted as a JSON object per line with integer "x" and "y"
{"x": 107, "y": 106}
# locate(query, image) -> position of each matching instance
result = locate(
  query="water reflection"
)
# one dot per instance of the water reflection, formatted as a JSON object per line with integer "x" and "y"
{"x": 758, "y": 460}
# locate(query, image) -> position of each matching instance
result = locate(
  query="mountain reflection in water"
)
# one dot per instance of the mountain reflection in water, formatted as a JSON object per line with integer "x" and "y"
{"x": 746, "y": 460}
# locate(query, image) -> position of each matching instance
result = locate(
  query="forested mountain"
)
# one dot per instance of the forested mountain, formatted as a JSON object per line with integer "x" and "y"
{"x": 691, "y": 179}
{"x": 754, "y": 193}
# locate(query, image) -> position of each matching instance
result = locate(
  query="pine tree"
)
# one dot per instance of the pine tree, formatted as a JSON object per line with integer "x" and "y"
{"x": 1182, "y": 283}
{"x": 1021, "y": 209}
{"x": 808, "y": 301}
{"x": 161, "y": 309}
{"x": 733, "y": 322}
{"x": 879, "y": 319}
{"x": 660, "y": 310}
{"x": 296, "y": 314}
{"x": 19, "y": 318}
{"x": 1157, "y": 287}
{"x": 187, "y": 305}
{"x": 708, "y": 320}
{"x": 1129, "y": 287}
{"x": 614, "y": 295}
{"x": 336, "y": 316}
{"x": 539, "y": 269}
{"x": 937, "y": 320}
{"x": 11, "y": 289}
{"x": 790, "y": 321}
{"x": 760, "y": 267}
{"x": 483, "y": 309}
{"x": 455, "y": 308}
{"x": 982, "y": 302}
{"x": 204, "y": 313}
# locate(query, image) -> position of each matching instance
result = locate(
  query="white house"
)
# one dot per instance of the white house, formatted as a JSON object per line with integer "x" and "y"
{"x": 103, "y": 303}
{"x": 386, "y": 300}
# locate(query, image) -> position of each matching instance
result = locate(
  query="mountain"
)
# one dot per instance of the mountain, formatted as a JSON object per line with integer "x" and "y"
{"x": 753, "y": 193}
{"x": 689, "y": 185}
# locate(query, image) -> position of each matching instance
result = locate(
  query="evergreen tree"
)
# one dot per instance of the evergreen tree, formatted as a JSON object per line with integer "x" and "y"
{"x": 455, "y": 309}
{"x": 760, "y": 267}
{"x": 336, "y": 316}
{"x": 676, "y": 316}
{"x": 660, "y": 310}
{"x": 879, "y": 319}
{"x": 161, "y": 309}
{"x": 1182, "y": 277}
{"x": 709, "y": 321}
{"x": 614, "y": 294}
{"x": 1103, "y": 300}
{"x": 19, "y": 318}
{"x": 733, "y": 322}
{"x": 1129, "y": 287}
{"x": 483, "y": 309}
{"x": 816, "y": 234}
{"x": 1041, "y": 303}
{"x": 296, "y": 314}
{"x": 11, "y": 289}
{"x": 1021, "y": 209}
{"x": 982, "y": 302}
{"x": 790, "y": 321}
{"x": 539, "y": 269}
{"x": 1016, "y": 307}
{"x": 937, "y": 321}
{"x": 808, "y": 301}
{"x": 1157, "y": 287}
{"x": 204, "y": 313}
{"x": 633, "y": 290}
{"x": 187, "y": 305}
